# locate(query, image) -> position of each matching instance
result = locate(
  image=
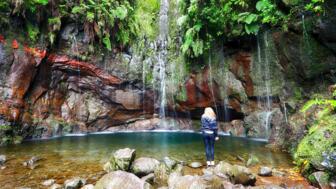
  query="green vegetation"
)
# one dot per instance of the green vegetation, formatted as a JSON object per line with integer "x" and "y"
{"x": 206, "y": 21}
{"x": 113, "y": 23}
{"x": 320, "y": 139}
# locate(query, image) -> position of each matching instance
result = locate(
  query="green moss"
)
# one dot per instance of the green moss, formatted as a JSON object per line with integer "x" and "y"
{"x": 33, "y": 32}
{"x": 5, "y": 128}
{"x": 321, "y": 138}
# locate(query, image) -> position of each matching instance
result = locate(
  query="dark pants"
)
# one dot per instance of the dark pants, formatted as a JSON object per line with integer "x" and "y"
{"x": 209, "y": 142}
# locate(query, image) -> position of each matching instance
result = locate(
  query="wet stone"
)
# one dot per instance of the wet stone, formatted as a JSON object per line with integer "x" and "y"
{"x": 195, "y": 165}
{"x": 265, "y": 171}
{"x": 3, "y": 159}
{"x": 56, "y": 186}
{"x": 88, "y": 186}
{"x": 74, "y": 183}
{"x": 32, "y": 162}
{"x": 48, "y": 182}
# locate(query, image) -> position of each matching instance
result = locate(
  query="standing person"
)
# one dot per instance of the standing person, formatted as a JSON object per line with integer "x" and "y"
{"x": 209, "y": 132}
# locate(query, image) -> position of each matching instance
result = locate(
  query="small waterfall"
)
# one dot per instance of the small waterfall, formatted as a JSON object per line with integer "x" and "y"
{"x": 210, "y": 81}
{"x": 264, "y": 90}
{"x": 225, "y": 79}
{"x": 162, "y": 51}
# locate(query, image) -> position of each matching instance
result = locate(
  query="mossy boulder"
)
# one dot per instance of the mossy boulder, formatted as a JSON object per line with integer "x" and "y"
{"x": 312, "y": 152}
{"x": 121, "y": 160}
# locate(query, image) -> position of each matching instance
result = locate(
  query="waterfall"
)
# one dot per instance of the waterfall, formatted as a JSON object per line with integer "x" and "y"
{"x": 225, "y": 80}
{"x": 211, "y": 85}
{"x": 161, "y": 57}
{"x": 264, "y": 99}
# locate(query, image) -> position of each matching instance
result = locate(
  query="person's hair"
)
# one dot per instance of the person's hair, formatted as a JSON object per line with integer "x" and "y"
{"x": 209, "y": 112}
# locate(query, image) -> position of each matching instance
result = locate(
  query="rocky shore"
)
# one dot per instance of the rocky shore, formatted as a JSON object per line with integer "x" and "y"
{"x": 124, "y": 170}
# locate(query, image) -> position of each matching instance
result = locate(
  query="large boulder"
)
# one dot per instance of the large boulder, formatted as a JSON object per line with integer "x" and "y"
{"x": 187, "y": 182}
{"x": 144, "y": 166}
{"x": 237, "y": 174}
{"x": 242, "y": 175}
{"x": 163, "y": 170}
{"x": 121, "y": 179}
{"x": 120, "y": 160}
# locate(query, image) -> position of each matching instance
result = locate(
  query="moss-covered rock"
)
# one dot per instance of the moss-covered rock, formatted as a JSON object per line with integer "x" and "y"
{"x": 319, "y": 140}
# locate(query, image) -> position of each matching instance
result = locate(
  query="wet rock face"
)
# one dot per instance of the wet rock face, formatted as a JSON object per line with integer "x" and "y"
{"x": 54, "y": 94}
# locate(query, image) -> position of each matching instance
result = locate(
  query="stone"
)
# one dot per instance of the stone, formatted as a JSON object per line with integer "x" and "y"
{"x": 74, "y": 183}
{"x": 3, "y": 159}
{"x": 148, "y": 178}
{"x": 121, "y": 179}
{"x": 162, "y": 173}
{"x": 56, "y": 186}
{"x": 32, "y": 162}
{"x": 253, "y": 160}
{"x": 223, "y": 169}
{"x": 120, "y": 160}
{"x": 48, "y": 182}
{"x": 242, "y": 175}
{"x": 186, "y": 182}
{"x": 269, "y": 186}
{"x": 170, "y": 163}
{"x": 88, "y": 186}
{"x": 278, "y": 173}
{"x": 320, "y": 179}
{"x": 265, "y": 171}
{"x": 195, "y": 165}
{"x": 144, "y": 166}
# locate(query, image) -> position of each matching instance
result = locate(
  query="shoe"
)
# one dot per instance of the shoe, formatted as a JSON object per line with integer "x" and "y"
{"x": 208, "y": 163}
{"x": 212, "y": 163}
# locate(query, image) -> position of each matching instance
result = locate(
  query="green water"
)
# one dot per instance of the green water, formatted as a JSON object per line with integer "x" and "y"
{"x": 84, "y": 156}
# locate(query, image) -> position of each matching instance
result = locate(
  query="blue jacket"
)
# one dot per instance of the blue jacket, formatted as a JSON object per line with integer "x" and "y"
{"x": 209, "y": 124}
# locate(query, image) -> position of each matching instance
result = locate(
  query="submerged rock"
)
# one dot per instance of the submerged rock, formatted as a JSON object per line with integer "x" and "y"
{"x": 144, "y": 166}
{"x": 32, "y": 162}
{"x": 48, "y": 182}
{"x": 3, "y": 159}
{"x": 74, "y": 183}
{"x": 265, "y": 171}
{"x": 120, "y": 160}
{"x": 121, "y": 179}
{"x": 253, "y": 160}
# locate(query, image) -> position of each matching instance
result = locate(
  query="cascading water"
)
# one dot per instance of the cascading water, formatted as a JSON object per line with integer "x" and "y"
{"x": 264, "y": 91}
{"x": 225, "y": 79}
{"x": 211, "y": 84}
{"x": 161, "y": 49}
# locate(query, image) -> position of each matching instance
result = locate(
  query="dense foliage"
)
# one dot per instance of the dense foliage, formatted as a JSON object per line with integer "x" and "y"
{"x": 206, "y": 21}
{"x": 114, "y": 23}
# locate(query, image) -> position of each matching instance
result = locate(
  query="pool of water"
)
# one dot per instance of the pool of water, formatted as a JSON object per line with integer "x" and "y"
{"x": 66, "y": 157}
